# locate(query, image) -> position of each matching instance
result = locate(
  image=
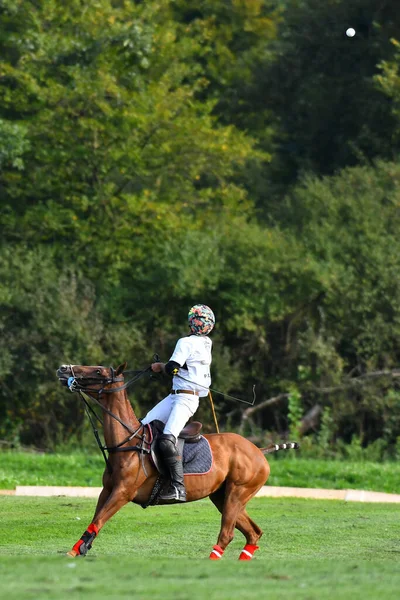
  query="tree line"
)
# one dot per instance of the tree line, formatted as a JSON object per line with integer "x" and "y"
{"x": 242, "y": 154}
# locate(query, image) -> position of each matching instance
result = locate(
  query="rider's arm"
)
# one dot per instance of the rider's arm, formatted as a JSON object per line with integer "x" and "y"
{"x": 171, "y": 368}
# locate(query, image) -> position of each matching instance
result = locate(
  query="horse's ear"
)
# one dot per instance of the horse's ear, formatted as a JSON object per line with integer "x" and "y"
{"x": 121, "y": 368}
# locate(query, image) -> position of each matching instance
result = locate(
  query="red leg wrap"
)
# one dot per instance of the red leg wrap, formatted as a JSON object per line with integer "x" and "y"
{"x": 91, "y": 529}
{"x": 77, "y": 546}
{"x": 247, "y": 552}
{"x": 216, "y": 553}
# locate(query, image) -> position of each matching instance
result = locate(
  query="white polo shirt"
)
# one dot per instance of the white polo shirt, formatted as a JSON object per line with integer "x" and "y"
{"x": 194, "y": 353}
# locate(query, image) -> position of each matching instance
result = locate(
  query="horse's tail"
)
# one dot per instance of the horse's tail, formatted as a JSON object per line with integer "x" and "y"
{"x": 275, "y": 447}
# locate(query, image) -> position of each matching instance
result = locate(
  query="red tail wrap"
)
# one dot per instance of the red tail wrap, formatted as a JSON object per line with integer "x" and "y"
{"x": 216, "y": 553}
{"x": 247, "y": 552}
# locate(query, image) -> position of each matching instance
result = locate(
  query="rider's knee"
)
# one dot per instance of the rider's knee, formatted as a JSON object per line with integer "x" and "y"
{"x": 167, "y": 444}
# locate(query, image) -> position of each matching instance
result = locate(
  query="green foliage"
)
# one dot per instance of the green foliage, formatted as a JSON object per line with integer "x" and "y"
{"x": 149, "y": 159}
{"x": 13, "y": 145}
{"x": 388, "y": 82}
{"x": 325, "y": 433}
{"x": 319, "y": 86}
{"x": 295, "y": 412}
{"x": 349, "y": 224}
{"x": 130, "y": 130}
{"x": 48, "y": 318}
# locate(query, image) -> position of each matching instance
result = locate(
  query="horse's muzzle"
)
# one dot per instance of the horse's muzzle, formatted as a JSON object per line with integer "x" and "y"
{"x": 63, "y": 373}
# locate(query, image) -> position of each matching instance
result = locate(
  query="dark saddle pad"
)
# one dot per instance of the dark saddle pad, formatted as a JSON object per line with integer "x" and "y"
{"x": 197, "y": 458}
{"x": 193, "y": 447}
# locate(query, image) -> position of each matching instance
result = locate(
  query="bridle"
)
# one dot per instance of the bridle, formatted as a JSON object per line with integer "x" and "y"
{"x": 75, "y": 383}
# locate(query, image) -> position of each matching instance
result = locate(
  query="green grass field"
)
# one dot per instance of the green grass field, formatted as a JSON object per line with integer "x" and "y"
{"x": 311, "y": 550}
{"x": 78, "y": 469}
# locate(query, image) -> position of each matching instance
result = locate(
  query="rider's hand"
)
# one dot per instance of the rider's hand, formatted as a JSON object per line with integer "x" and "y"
{"x": 157, "y": 367}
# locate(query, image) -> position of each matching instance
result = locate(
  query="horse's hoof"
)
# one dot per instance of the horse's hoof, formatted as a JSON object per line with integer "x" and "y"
{"x": 216, "y": 553}
{"x": 72, "y": 553}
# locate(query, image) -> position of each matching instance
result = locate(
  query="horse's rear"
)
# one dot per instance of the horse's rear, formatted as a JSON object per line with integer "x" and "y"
{"x": 236, "y": 461}
{"x": 239, "y": 469}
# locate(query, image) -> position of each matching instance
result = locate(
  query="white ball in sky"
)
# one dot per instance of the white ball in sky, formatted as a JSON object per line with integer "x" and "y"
{"x": 350, "y": 32}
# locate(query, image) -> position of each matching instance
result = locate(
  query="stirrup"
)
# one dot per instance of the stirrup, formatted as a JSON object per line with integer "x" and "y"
{"x": 174, "y": 493}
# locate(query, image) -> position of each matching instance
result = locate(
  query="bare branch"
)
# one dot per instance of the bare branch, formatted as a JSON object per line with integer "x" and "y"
{"x": 358, "y": 381}
{"x": 311, "y": 419}
{"x": 274, "y": 400}
{"x": 354, "y": 381}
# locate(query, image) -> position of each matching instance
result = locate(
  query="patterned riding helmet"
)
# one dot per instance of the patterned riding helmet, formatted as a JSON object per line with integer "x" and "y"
{"x": 201, "y": 319}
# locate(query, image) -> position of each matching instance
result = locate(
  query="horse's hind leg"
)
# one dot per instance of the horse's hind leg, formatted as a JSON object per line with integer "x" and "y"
{"x": 244, "y": 524}
{"x": 250, "y": 530}
{"x": 235, "y": 499}
{"x": 252, "y": 533}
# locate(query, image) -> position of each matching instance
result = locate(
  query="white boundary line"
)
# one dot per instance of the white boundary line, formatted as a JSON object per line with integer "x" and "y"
{"x": 347, "y": 495}
{"x": 266, "y": 491}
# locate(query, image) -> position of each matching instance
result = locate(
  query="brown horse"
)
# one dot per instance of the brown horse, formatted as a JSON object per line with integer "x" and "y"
{"x": 239, "y": 469}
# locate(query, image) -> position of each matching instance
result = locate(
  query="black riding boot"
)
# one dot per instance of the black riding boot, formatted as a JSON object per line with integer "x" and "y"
{"x": 173, "y": 462}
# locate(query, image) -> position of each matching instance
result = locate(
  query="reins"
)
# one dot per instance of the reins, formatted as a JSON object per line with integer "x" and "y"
{"x": 74, "y": 385}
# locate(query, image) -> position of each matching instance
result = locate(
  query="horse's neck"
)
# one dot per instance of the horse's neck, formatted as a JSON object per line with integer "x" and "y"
{"x": 114, "y": 432}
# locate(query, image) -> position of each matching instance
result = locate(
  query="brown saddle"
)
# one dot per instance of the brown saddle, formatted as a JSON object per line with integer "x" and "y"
{"x": 191, "y": 433}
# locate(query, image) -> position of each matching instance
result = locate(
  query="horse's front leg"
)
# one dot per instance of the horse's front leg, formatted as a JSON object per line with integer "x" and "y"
{"x": 105, "y": 492}
{"x": 85, "y": 542}
{"x": 117, "y": 492}
{"x": 115, "y": 501}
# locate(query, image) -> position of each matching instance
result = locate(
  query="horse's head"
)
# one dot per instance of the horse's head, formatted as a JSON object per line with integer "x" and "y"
{"x": 84, "y": 377}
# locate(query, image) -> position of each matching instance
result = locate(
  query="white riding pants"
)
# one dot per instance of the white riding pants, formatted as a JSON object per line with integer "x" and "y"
{"x": 174, "y": 411}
